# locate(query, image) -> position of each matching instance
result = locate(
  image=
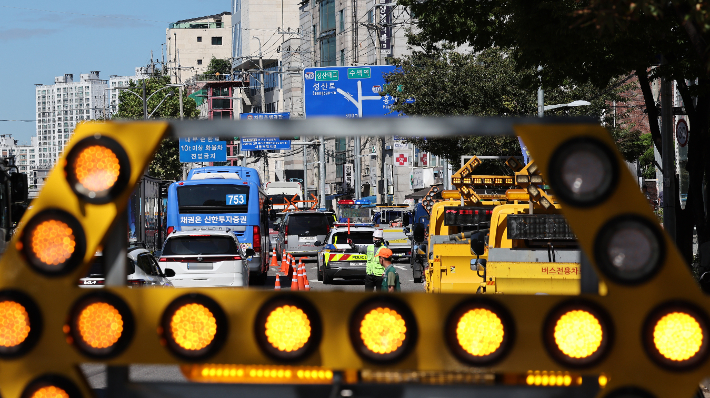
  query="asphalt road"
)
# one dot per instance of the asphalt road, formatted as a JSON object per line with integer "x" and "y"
{"x": 403, "y": 269}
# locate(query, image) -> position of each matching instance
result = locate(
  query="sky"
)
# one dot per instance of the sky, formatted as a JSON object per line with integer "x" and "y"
{"x": 44, "y": 39}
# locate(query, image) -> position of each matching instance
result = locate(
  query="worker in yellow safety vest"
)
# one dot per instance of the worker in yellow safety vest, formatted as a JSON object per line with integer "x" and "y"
{"x": 374, "y": 270}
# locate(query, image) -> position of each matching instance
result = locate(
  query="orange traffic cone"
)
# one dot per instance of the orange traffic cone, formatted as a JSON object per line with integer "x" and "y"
{"x": 294, "y": 279}
{"x": 284, "y": 262}
{"x": 290, "y": 270}
{"x": 306, "y": 283}
{"x": 274, "y": 263}
{"x": 301, "y": 269}
{"x": 277, "y": 284}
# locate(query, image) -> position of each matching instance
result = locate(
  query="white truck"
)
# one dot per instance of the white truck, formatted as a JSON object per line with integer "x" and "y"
{"x": 282, "y": 193}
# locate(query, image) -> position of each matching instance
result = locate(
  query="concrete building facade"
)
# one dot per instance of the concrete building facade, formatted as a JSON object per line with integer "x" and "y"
{"x": 352, "y": 33}
{"x": 61, "y": 106}
{"x": 191, "y": 44}
{"x": 261, "y": 29}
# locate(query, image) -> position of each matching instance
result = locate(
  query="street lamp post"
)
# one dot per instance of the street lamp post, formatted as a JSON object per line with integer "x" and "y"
{"x": 181, "y": 87}
{"x": 145, "y": 100}
{"x": 570, "y": 105}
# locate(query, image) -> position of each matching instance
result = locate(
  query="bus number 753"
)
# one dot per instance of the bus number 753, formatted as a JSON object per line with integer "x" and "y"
{"x": 238, "y": 199}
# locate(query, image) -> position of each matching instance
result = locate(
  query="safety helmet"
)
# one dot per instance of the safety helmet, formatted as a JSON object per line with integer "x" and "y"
{"x": 378, "y": 234}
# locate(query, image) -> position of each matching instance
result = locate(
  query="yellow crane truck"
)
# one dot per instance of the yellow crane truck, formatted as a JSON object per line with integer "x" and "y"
{"x": 489, "y": 242}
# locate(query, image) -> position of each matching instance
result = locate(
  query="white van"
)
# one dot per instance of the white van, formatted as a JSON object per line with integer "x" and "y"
{"x": 280, "y": 192}
{"x": 205, "y": 259}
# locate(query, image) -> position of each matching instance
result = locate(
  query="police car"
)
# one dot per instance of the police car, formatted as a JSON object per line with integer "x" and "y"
{"x": 344, "y": 252}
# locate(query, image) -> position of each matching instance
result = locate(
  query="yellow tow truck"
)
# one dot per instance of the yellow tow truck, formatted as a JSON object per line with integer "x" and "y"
{"x": 501, "y": 235}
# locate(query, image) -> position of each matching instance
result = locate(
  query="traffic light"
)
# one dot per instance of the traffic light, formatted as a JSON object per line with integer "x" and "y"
{"x": 648, "y": 333}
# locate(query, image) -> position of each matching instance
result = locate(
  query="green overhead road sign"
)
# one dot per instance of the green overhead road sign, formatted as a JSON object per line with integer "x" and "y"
{"x": 327, "y": 75}
{"x": 358, "y": 73}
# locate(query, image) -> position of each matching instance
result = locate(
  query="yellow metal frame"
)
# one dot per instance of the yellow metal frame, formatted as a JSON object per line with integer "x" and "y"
{"x": 627, "y": 363}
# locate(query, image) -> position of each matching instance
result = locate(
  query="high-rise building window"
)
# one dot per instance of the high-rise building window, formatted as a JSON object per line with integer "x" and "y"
{"x": 327, "y": 15}
{"x": 327, "y": 51}
{"x": 342, "y": 57}
{"x": 199, "y": 39}
{"x": 217, "y": 41}
{"x": 342, "y": 21}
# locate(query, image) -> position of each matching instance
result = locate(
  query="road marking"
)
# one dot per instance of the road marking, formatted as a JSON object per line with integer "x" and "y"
{"x": 400, "y": 267}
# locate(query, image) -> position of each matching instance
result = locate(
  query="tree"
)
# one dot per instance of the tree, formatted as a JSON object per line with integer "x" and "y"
{"x": 166, "y": 163}
{"x": 221, "y": 66}
{"x": 593, "y": 42}
{"x": 446, "y": 82}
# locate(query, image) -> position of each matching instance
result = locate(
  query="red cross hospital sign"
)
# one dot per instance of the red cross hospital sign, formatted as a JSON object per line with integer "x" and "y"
{"x": 401, "y": 154}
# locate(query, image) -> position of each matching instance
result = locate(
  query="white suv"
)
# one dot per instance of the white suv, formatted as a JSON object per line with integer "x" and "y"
{"x": 205, "y": 259}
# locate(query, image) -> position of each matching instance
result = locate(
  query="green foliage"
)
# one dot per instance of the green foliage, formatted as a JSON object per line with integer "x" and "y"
{"x": 166, "y": 164}
{"x": 445, "y": 82}
{"x": 221, "y": 66}
{"x": 550, "y": 33}
{"x": 646, "y": 160}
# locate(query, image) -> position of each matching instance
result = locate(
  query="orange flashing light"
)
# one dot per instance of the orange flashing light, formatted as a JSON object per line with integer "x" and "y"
{"x": 53, "y": 242}
{"x": 100, "y": 325}
{"x": 14, "y": 324}
{"x": 213, "y": 373}
{"x": 97, "y": 168}
{"x": 193, "y": 326}
{"x": 382, "y": 330}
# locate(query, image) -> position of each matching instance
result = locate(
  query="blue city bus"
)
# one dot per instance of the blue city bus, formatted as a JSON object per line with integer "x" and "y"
{"x": 218, "y": 198}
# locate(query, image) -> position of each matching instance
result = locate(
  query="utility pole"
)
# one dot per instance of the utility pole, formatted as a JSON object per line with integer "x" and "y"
{"x": 322, "y": 170}
{"x": 668, "y": 155}
{"x": 182, "y": 112}
{"x": 354, "y": 34}
{"x": 357, "y": 167}
{"x": 305, "y": 169}
{"x": 261, "y": 71}
{"x": 540, "y": 97}
{"x": 381, "y": 166}
{"x": 145, "y": 103}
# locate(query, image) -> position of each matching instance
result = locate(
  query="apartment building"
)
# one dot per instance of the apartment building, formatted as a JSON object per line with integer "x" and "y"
{"x": 115, "y": 81}
{"x": 191, "y": 44}
{"x": 60, "y": 106}
{"x": 26, "y": 158}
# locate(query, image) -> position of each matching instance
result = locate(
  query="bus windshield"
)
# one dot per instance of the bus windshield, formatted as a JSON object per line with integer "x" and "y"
{"x": 213, "y": 198}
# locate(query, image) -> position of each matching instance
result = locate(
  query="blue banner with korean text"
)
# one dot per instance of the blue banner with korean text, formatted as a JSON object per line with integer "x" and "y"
{"x": 265, "y": 144}
{"x": 204, "y": 149}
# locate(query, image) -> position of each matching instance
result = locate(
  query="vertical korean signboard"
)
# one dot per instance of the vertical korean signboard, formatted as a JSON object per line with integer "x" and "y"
{"x": 386, "y": 7}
